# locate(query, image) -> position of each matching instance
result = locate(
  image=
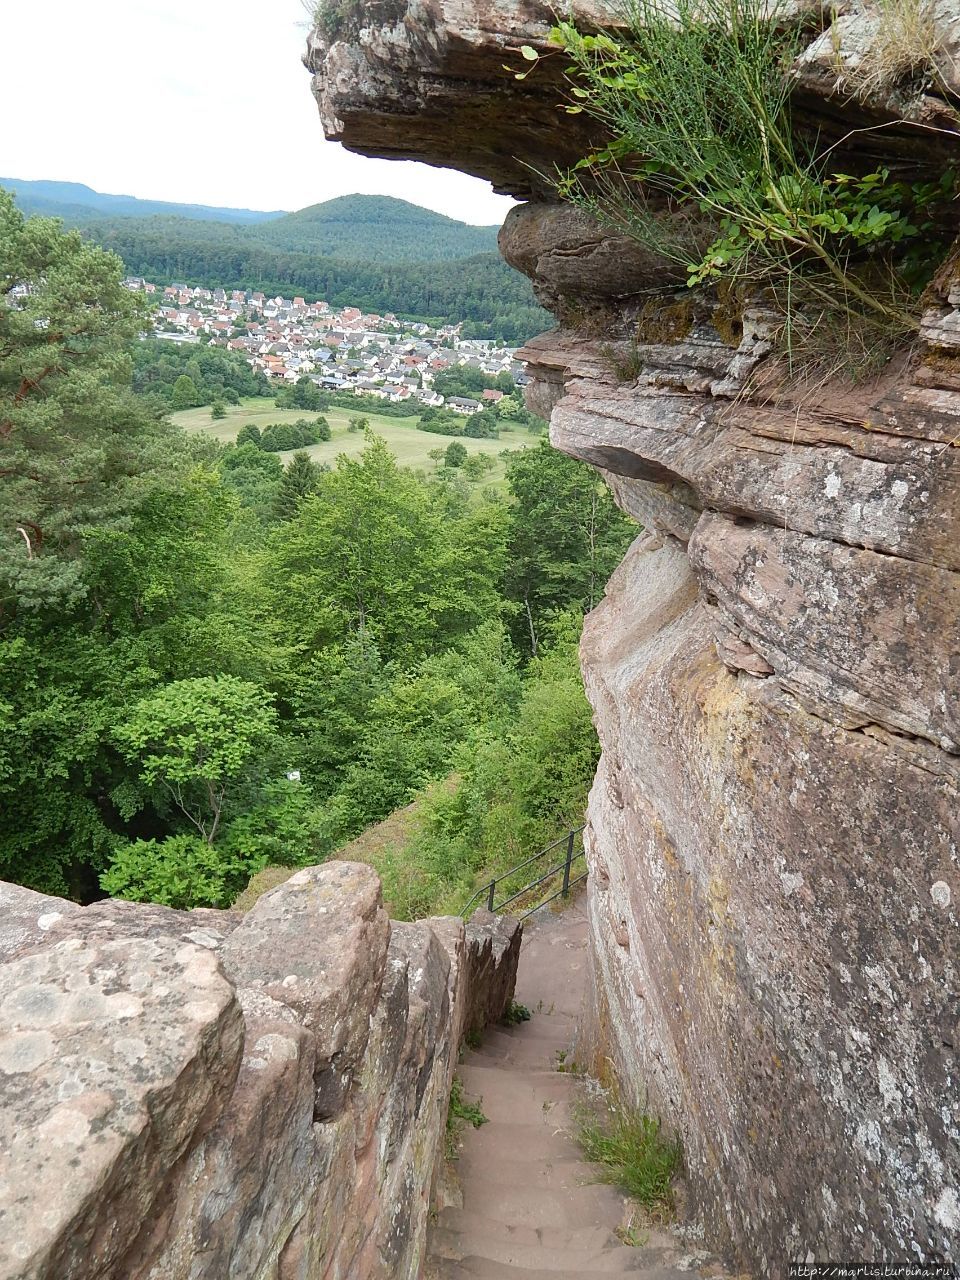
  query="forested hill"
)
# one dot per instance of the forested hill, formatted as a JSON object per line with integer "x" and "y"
{"x": 376, "y": 229}
{"x": 372, "y": 252}
{"x": 483, "y": 291}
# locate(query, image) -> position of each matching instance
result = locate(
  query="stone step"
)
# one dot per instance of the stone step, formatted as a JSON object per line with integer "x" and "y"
{"x": 474, "y": 1268}
{"x": 547, "y": 1027}
{"x": 520, "y": 1097}
{"x": 615, "y": 1258}
{"x": 559, "y": 1083}
{"x": 522, "y": 1143}
{"x": 548, "y": 1174}
{"x": 466, "y": 1222}
{"x": 543, "y": 1055}
{"x": 584, "y": 1206}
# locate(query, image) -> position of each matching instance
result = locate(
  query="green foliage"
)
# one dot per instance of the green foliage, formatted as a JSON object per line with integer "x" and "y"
{"x": 284, "y": 827}
{"x": 249, "y": 433}
{"x": 515, "y": 1014}
{"x": 706, "y": 168}
{"x": 184, "y": 394}
{"x": 373, "y": 552}
{"x": 182, "y": 871}
{"x": 455, "y": 454}
{"x": 466, "y": 381}
{"x": 218, "y": 410}
{"x": 461, "y": 1113}
{"x": 197, "y": 740}
{"x": 300, "y": 480}
{"x": 196, "y": 622}
{"x": 255, "y": 477}
{"x": 441, "y": 422}
{"x": 210, "y": 373}
{"x": 520, "y": 783}
{"x": 566, "y": 538}
{"x": 476, "y": 466}
{"x": 338, "y": 19}
{"x": 633, "y": 1154}
{"x": 484, "y": 425}
{"x": 371, "y": 735}
{"x": 304, "y": 394}
{"x": 281, "y": 437}
{"x": 76, "y": 445}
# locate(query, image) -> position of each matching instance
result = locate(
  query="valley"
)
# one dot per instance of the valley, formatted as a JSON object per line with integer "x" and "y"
{"x": 377, "y": 253}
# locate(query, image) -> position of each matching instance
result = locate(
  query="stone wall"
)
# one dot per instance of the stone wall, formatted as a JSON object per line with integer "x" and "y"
{"x": 773, "y": 831}
{"x": 199, "y": 1094}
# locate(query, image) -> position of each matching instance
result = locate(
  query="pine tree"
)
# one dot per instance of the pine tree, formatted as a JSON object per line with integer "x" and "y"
{"x": 74, "y": 441}
{"x": 301, "y": 478}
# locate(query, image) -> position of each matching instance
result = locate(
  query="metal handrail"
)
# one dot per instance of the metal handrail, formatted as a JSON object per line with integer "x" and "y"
{"x": 489, "y": 890}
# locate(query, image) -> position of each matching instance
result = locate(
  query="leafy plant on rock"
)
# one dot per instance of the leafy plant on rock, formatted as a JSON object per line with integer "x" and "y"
{"x": 460, "y": 1113}
{"x": 706, "y": 167}
{"x": 339, "y": 19}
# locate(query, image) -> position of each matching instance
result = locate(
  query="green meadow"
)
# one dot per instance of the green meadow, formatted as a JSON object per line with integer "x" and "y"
{"x": 410, "y": 446}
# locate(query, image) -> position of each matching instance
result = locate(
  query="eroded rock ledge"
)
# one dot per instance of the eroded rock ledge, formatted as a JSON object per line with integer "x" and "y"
{"x": 187, "y": 1094}
{"x": 773, "y": 831}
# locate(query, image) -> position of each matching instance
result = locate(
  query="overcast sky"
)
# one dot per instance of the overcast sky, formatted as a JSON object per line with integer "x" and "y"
{"x": 204, "y": 101}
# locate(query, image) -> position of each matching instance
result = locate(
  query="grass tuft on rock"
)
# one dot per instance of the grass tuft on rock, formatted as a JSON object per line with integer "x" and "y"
{"x": 633, "y": 1154}
{"x": 904, "y": 49}
{"x": 460, "y": 1113}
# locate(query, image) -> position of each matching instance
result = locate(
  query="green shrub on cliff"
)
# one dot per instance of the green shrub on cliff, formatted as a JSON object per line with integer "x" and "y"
{"x": 705, "y": 167}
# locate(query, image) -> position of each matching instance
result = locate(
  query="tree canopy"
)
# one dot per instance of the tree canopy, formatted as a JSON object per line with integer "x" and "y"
{"x": 210, "y": 660}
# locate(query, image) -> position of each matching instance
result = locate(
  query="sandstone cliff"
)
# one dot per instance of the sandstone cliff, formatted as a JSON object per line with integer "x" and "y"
{"x": 773, "y": 828}
{"x": 206, "y": 1094}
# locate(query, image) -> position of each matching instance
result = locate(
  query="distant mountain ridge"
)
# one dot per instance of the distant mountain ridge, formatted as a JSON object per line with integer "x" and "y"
{"x": 73, "y": 201}
{"x": 374, "y": 252}
{"x": 355, "y": 228}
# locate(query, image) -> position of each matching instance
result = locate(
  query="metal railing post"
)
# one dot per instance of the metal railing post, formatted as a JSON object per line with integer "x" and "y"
{"x": 493, "y": 889}
{"x": 566, "y": 866}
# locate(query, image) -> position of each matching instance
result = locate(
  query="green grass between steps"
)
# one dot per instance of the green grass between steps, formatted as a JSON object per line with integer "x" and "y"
{"x": 633, "y": 1154}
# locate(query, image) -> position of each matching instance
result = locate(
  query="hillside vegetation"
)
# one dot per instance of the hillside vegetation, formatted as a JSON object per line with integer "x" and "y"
{"x": 376, "y": 229}
{"x": 210, "y": 662}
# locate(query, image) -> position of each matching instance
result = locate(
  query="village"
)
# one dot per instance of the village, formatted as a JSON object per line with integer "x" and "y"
{"x": 341, "y": 350}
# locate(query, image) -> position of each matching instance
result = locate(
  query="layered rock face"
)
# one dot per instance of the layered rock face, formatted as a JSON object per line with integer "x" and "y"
{"x": 773, "y": 829}
{"x": 199, "y": 1094}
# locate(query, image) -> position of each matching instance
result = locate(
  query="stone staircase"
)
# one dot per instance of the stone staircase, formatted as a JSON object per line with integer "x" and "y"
{"x": 531, "y": 1207}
